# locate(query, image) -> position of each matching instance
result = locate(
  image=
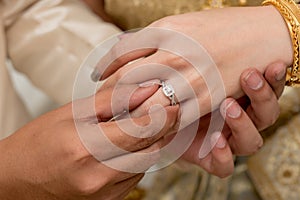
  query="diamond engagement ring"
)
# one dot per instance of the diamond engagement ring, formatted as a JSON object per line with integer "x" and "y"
{"x": 169, "y": 92}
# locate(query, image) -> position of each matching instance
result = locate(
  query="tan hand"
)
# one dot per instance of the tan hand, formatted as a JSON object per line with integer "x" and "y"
{"x": 47, "y": 160}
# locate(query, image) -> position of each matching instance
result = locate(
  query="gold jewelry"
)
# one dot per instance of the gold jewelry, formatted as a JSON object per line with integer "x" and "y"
{"x": 136, "y": 194}
{"x": 291, "y": 14}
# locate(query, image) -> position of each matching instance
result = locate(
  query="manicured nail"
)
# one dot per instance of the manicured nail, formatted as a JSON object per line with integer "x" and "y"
{"x": 218, "y": 140}
{"x": 253, "y": 80}
{"x": 280, "y": 75}
{"x": 231, "y": 109}
{"x": 95, "y": 76}
{"x": 149, "y": 83}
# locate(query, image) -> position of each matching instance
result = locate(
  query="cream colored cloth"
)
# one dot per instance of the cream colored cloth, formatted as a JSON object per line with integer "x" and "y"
{"x": 275, "y": 170}
{"x": 131, "y": 14}
{"x": 47, "y": 40}
{"x": 13, "y": 112}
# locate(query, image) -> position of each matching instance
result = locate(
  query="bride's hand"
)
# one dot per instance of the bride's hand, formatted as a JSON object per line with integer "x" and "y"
{"x": 235, "y": 38}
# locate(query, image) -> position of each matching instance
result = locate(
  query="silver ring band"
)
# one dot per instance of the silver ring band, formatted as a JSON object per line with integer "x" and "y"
{"x": 169, "y": 92}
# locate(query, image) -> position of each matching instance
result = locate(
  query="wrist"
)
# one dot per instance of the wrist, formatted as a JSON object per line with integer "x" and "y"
{"x": 262, "y": 38}
{"x": 290, "y": 11}
{"x": 255, "y": 37}
{"x": 278, "y": 36}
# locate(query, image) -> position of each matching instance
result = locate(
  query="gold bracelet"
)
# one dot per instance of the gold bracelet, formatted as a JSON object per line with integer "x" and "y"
{"x": 291, "y": 14}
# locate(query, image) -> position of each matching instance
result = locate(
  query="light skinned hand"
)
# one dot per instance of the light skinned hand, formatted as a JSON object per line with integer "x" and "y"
{"x": 243, "y": 42}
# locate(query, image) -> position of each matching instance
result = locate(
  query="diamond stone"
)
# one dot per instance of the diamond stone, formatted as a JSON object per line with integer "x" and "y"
{"x": 168, "y": 90}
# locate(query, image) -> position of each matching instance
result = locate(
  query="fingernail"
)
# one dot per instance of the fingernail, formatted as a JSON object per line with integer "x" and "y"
{"x": 280, "y": 75}
{"x": 218, "y": 140}
{"x": 231, "y": 109}
{"x": 95, "y": 76}
{"x": 149, "y": 83}
{"x": 221, "y": 144}
{"x": 253, "y": 80}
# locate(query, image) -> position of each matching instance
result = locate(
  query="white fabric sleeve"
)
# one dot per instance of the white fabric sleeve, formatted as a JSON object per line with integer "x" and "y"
{"x": 49, "y": 41}
{"x": 13, "y": 114}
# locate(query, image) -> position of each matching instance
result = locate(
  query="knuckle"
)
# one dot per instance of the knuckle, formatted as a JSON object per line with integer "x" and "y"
{"x": 166, "y": 22}
{"x": 156, "y": 147}
{"x": 154, "y": 154}
{"x": 256, "y": 147}
{"x": 174, "y": 60}
{"x": 114, "y": 54}
{"x": 264, "y": 95}
{"x": 74, "y": 150}
{"x": 222, "y": 173}
{"x": 144, "y": 142}
{"x": 148, "y": 133}
{"x": 154, "y": 158}
{"x": 120, "y": 73}
{"x": 88, "y": 185}
{"x": 226, "y": 173}
{"x": 148, "y": 130}
{"x": 227, "y": 168}
{"x": 77, "y": 151}
{"x": 144, "y": 108}
{"x": 269, "y": 96}
{"x": 271, "y": 120}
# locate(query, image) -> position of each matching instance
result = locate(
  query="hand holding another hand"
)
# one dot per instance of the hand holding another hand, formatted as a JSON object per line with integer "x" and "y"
{"x": 49, "y": 159}
{"x": 241, "y": 134}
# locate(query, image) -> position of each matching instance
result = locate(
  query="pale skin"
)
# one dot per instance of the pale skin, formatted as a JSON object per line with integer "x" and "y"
{"x": 46, "y": 159}
{"x": 244, "y": 41}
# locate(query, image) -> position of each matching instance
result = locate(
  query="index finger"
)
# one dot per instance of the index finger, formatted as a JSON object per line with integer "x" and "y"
{"x": 108, "y": 140}
{"x": 124, "y": 51}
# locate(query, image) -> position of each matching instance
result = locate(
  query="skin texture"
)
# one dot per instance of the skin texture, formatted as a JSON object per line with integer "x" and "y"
{"x": 254, "y": 114}
{"x": 46, "y": 159}
{"x": 243, "y": 42}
